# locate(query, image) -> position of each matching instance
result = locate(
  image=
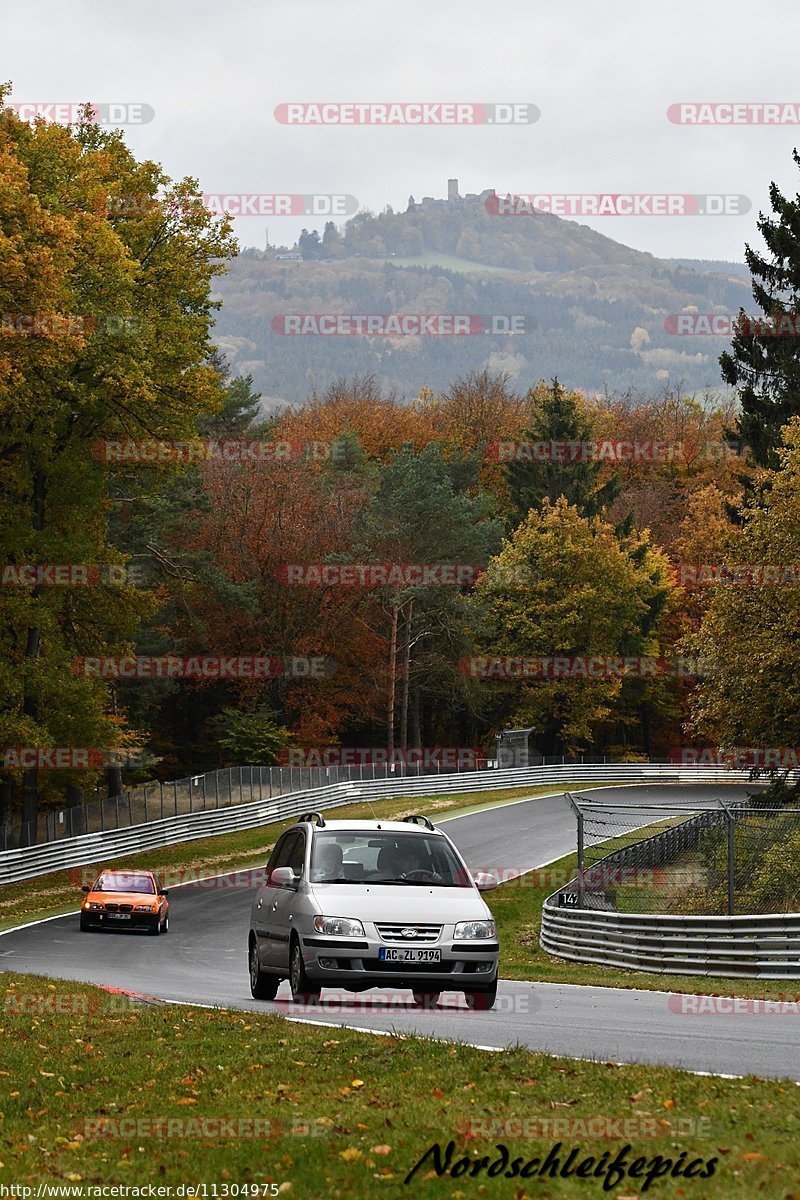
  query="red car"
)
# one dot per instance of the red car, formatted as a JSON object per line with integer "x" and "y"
{"x": 120, "y": 899}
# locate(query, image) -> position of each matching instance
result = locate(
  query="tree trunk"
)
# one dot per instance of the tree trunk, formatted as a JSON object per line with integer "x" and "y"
{"x": 416, "y": 729}
{"x": 114, "y": 781}
{"x": 406, "y": 676}
{"x": 390, "y": 702}
{"x": 6, "y": 794}
{"x": 30, "y": 779}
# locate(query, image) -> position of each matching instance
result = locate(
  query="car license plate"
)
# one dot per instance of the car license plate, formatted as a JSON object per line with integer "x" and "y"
{"x": 404, "y": 954}
{"x": 118, "y": 916}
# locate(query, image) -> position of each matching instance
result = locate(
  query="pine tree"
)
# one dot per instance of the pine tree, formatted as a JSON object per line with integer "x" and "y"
{"x": 560, "y": 417}
{"x": 765, "y": 367}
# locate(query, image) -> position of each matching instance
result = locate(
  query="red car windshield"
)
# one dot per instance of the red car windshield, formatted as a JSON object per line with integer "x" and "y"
{"x": 119, "y": 882}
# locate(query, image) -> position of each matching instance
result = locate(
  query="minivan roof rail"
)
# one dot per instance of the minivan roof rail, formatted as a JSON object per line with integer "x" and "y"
{"x": 313, "y": 818}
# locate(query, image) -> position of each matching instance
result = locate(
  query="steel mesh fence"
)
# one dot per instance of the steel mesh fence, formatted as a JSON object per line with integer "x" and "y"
{"x": 709, "y": 859}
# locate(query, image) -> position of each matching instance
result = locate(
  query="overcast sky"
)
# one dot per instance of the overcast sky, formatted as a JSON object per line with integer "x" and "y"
{"x": 603, "y": 76}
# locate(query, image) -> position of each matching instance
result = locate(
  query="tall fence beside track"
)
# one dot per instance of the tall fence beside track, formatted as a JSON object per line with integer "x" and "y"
{"x": 29, "y": 861}
{"x": 711, "y": 891}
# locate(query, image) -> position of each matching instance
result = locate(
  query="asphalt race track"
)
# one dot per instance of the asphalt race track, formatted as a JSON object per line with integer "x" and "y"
{"x": 203, "y": 961}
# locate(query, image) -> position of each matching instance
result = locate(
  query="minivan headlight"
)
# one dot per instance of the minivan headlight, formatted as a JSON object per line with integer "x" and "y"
{"x": 339, "y": 926}
{"x": 466, "y": 930}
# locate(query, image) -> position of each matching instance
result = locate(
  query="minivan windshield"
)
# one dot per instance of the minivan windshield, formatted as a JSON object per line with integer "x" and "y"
{"x": 380, "y": 857}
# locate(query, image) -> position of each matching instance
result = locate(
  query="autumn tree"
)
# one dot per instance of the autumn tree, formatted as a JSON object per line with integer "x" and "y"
{"x": 106, "y": 336}
{"x": 750, "y": 637}
{"x": 564, "y": 585}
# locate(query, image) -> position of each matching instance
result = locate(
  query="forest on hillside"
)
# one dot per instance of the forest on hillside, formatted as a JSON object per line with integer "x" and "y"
{"x": 596, "y": 312}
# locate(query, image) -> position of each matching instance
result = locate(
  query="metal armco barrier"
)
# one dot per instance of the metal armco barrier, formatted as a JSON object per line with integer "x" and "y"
{"x": 27, "y": 863}
{"x": 763, "y": 946}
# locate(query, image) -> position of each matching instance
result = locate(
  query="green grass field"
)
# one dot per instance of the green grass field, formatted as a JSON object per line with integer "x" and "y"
{"x": 96, "y": 1090}
{"x": 449, "y": 262}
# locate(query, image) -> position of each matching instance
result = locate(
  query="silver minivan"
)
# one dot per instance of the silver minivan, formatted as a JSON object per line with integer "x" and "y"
{"x": 365, "y": 904}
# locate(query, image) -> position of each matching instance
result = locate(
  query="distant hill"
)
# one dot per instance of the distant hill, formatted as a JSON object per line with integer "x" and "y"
{"x": 595, "y": 308}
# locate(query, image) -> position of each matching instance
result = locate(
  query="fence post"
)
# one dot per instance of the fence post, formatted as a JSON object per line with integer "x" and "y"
{"x": 731, "y": 862}
{"x": 580, "y": 859}
{"x": 580, "y": 843}
{"x": 161, "y": 794}
{"x": 175, "y": 794}
{"x": 216, "y": 789}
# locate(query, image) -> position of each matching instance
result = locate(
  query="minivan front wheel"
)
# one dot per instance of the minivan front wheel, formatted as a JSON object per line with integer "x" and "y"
{"x": 425, "y": 999}
{"x": 303, "y": 990}
{"x": 482, "y": 1001}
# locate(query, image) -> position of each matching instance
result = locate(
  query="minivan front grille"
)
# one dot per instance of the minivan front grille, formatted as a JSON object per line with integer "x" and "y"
{"x": 422, "y": 934}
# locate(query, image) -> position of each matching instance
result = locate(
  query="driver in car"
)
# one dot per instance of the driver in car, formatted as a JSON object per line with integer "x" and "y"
{"x": 407, "y": 864}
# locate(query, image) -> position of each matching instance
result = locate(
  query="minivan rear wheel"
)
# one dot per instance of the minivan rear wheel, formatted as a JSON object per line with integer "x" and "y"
{"x": 262, "y": 986}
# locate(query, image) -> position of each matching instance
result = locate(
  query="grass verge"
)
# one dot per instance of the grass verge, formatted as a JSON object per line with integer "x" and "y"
{"x": 91, "y": 1083}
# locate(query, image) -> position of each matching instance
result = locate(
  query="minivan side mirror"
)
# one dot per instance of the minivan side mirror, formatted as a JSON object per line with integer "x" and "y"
{"x": 284, "y": 877}
{"x": 485, "y": 881}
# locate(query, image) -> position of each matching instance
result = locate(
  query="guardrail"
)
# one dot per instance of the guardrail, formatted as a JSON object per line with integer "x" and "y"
{"x": 765, "y": 946}
{"x": 27, "y": 863}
